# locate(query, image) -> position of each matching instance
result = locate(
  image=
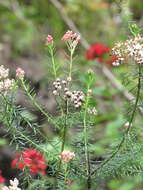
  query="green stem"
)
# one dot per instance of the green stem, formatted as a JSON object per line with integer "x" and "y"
{"x": 66, "y": 173}
{"x": 130, "y": 122}
{"x": 65, "y": 127}
{"x": 86, "y": 140}
{"x": 71, "y": 60}
{"x": 63, "y": 139}
{"x": 137, "y": 99}
{"x": 53, "y": 62}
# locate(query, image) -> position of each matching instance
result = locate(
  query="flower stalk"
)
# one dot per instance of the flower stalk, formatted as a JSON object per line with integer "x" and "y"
{"x": 50, "y": 44}
{"x": 71, "y": 61}
{"x": 90, "y": 80}
{"x": 130, "y": 122}
{"x": 53, "y": 61}
{"x": 63, "y": 138}
{"x": 66, "y": 172}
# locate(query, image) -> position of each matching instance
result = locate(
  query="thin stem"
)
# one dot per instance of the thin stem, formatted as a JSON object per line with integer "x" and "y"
{"x": 63, "y": 139}
{"x": 65, "y": 127}
{"x": 86, "y": 141}
{"x": 71, "y": 60}
{"x": 66, "y": 173}
{"x": 53, "y": 62}
{"x": 130, "y": 122}
{"x": 137, "y": 99}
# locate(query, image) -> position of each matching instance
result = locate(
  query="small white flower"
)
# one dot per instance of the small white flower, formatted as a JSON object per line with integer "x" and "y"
{"x": 69, "y": 79}
{"x": 64, "y": 82}
{"x": 55, "y": 92}
{"x": 92, "y": 111}
{"x": 3, "y": 72}
{"x": 6, "y": 84}
{"x": 13, "y": 185}
{"x": 127, "y": 124}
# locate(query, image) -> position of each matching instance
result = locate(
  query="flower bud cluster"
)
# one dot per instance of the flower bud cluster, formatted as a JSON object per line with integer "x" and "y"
{"x": 49, "y": 40}
{"x": 71, "y": 38}
{"x": 61, "y": 86}
{"x": 132, "y": 48}
{"x": 92, "y": 111}
{"x": 77, "y": 98}
{"x": 6, "y": 84}
{"x": 19, "y": 73}
{"x": 67, "y": 156}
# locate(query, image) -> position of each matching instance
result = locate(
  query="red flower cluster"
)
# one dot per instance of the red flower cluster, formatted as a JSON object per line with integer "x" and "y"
{"x": 98, "y": 50}
{"x": 2, "y": 179}
{"x": 32, "y": 159}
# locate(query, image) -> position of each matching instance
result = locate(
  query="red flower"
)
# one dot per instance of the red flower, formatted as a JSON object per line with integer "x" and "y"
{"x": 2, "y": 180}
{"x": 96, "y": 50}
{"x": 32, "y": 159}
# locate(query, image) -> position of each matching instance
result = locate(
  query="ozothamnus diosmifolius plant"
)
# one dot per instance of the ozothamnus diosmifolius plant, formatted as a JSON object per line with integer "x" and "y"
{"x": 65, "y": 163}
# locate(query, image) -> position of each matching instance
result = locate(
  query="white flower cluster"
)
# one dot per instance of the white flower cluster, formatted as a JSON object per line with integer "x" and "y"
{"x": 61, "y": 86}
{"x": 92, "y": 111}
{"x": 132, "y": 48}
{"x": 6, "y": 84}
{"x": 77, "y": 98}
{"x": 13, "y": 185}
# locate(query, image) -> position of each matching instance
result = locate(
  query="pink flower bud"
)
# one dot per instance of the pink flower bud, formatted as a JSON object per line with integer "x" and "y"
{"x": 49, "y": 40}
{"x": 67, "y": 35}
{"x": 66, "y": 155}
{"x": 19, "y": 73}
